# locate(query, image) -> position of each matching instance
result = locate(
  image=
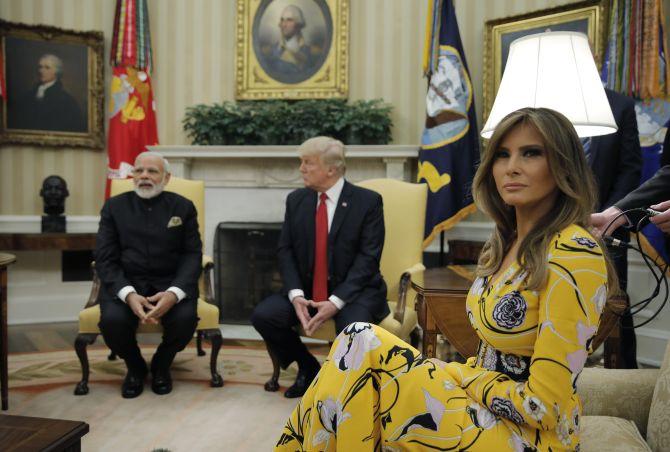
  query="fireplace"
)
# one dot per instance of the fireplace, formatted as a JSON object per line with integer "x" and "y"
{"x": 246, "y": 268}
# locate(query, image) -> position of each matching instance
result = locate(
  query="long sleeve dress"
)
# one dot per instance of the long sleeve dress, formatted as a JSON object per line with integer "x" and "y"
{"x": 376, "y": 392}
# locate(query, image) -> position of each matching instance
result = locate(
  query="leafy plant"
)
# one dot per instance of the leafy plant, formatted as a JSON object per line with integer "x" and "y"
{"x": 288, "y": 122}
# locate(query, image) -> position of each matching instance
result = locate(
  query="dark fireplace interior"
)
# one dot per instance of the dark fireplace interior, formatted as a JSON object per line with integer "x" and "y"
{"x": 246, "y": 269}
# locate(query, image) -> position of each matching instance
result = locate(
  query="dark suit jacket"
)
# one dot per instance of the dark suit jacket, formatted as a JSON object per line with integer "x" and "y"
{"x": 355, "y": 243}
{"x": 57, "y": 110}
{"x": 135, "y": 246}
{"x": 616, "y": 159}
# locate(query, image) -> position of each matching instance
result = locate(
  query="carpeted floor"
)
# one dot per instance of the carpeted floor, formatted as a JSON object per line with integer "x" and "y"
{"x": 241, "y": 416}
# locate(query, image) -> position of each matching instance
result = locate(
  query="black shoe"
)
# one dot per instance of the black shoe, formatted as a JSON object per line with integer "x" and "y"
{"x": 302, "y": 382}
{"x": 133, "y": 385}
{"x": 161, "y": 383}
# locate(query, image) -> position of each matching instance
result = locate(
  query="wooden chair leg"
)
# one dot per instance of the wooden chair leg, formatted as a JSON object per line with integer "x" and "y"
{"x": 214, "y": 336}
{"x": 82, "y": 341}
{"x": 198, "y": 343}
{"x": 112, "y": 356}
{"x": 272, "y": 385}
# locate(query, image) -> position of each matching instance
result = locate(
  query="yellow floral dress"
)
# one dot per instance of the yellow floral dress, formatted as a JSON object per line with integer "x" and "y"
{"x": 375, "y": 392}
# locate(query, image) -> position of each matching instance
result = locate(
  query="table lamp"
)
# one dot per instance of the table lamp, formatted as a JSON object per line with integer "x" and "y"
{"x": 554, "y": 70}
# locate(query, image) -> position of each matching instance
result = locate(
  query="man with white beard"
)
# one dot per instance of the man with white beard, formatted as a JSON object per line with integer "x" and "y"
{"x": 148, "y": 257}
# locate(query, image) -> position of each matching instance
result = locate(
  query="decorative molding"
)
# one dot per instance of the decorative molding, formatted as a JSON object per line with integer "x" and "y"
{"x": 218, "y": 152}
{"x": 276, "y": 166}
{"x": 33, "y": 223}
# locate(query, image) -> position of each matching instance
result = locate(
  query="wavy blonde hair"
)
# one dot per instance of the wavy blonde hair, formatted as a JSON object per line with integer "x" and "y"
{"x": 575, "y": 201}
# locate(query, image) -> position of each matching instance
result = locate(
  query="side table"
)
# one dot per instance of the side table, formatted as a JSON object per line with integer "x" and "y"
{"x": 5, "y": 261}
{"x": 440, "y": 307}
{"x": 21, "y": 433}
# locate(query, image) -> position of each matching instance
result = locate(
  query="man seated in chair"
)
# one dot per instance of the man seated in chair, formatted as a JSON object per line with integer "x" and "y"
{"x": 329, "y": 252}
{"x": 148, "y": 257}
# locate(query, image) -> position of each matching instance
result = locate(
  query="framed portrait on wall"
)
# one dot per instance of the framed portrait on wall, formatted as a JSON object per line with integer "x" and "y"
{"x": 292, "y": 49}
{"x": 55, "y": 86}
{"x": 588, "y": 17}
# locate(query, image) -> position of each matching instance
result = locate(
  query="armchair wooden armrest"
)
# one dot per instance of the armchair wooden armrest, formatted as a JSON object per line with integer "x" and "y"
{"x": 95, "y": 288}
{"x": 403, "y": 288}
{"x": 207, "y": 281}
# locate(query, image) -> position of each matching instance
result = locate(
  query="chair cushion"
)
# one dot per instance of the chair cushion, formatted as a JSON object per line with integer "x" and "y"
{"x": 658, "y": 427}
{"x": 613, "y": 434}
{"x": 326, "y": 331}
{"x": 208, "y": 316}
{"x": 401, "y": 330}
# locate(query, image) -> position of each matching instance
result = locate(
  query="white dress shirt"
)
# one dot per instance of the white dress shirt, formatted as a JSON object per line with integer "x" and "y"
{"x": 127, "y": 290}
{"x": 42, "y": 88}
{"x": 333, "y": 194}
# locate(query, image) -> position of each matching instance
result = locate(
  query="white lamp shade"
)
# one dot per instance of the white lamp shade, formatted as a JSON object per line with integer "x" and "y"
{"x": 554, "y": 70}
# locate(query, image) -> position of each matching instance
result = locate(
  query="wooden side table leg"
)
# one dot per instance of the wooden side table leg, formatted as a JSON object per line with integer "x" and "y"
{"x": 3, "y": 347}
{"x": 429, "y": 343}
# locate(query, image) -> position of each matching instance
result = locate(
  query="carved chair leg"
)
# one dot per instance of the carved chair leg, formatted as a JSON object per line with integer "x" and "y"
{"x": 272, "y": 385}
{"x": 198, "y": 342}
{"x": 82, "y": 341}
{"x": 214, "y": 336}
{"x": 112, "y": 356}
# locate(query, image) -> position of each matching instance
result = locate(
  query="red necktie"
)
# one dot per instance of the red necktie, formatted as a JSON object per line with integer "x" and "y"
{"x": 320, "y": 282}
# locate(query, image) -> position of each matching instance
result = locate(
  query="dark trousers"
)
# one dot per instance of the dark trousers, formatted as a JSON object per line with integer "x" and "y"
{"x": 275, "y": 317}
{"x": 118, "y": 325}
{"x": 628, "y": 342}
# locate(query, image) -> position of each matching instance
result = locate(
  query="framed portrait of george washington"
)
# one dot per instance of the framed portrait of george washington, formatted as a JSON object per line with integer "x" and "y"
{"x": 54, "y": 86}
{"x": 292, "y": 49}
{"x": 588, "y": 17}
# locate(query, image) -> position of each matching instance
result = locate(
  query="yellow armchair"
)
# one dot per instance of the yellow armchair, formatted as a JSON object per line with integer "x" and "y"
{"x": 208, "y": 312}
{"x": 402, "y": 257}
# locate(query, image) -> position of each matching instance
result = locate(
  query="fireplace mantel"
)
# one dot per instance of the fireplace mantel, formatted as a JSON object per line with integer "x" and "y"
{"x": 276, "y": 166}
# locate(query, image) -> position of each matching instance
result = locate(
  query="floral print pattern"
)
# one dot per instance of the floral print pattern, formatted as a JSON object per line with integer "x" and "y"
{"x": 585, "y": 241}
{"x": 375, "y": 392}
{"x": 505, "y": 408}
{"x": 510, "y": 311}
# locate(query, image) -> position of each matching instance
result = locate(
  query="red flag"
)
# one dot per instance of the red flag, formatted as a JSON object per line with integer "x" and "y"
{"x": 132, "y": 120}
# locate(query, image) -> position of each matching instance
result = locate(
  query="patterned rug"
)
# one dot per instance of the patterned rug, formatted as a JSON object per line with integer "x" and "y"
{"x": 240, "y": 416}
{"x": 235, "y": 364}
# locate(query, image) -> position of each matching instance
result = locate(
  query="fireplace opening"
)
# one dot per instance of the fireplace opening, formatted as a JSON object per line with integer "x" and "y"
{"x": 246, "y": 268}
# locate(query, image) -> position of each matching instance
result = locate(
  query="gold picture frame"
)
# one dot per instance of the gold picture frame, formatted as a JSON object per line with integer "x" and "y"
{"x": 588, "y": 17}
{"x": 307, "y": 59}
{"x": 55, "y": 86}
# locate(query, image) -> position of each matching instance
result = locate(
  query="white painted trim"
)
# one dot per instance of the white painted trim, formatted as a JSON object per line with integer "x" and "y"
{"x": 189, "y": 152}
{"x": 649, "y": 362}
{"x": 33, "y": 223}
{"x": 476, "y": 231}
{"x": 653, "y": 333}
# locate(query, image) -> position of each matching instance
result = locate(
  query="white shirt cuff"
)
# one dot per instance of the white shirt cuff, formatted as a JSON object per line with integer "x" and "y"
{"x": 178, "y": 292}
{"x": 295, "y": 293}
{"x": 123, "y": 293}
{"x": 339, "y": 304}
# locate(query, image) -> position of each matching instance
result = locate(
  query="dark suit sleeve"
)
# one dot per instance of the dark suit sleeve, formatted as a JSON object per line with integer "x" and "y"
{"x": 190, "y": 259}
{"x": 288, "y": 266}
{"x": 653, "y": 191}
{"x": 630, "y": 157}
{"x": 108, "y": 253}
{"x": 366, "y": 263}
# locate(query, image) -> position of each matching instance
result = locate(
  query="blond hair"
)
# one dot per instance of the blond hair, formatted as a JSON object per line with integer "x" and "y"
{"x": 330, "y": 151}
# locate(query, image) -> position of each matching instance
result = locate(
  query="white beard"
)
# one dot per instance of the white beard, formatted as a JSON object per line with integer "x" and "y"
{"x": 150, "y": 192}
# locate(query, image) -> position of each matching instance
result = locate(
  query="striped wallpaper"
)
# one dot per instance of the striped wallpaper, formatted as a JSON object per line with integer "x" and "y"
{"x": 194, "y": 63}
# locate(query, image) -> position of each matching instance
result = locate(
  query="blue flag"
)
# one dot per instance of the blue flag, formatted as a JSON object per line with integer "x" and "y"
{"x": 449, "y": 151}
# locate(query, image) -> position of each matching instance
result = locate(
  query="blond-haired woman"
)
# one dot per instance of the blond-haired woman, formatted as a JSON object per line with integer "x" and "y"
{"x": 541, "y": 285}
